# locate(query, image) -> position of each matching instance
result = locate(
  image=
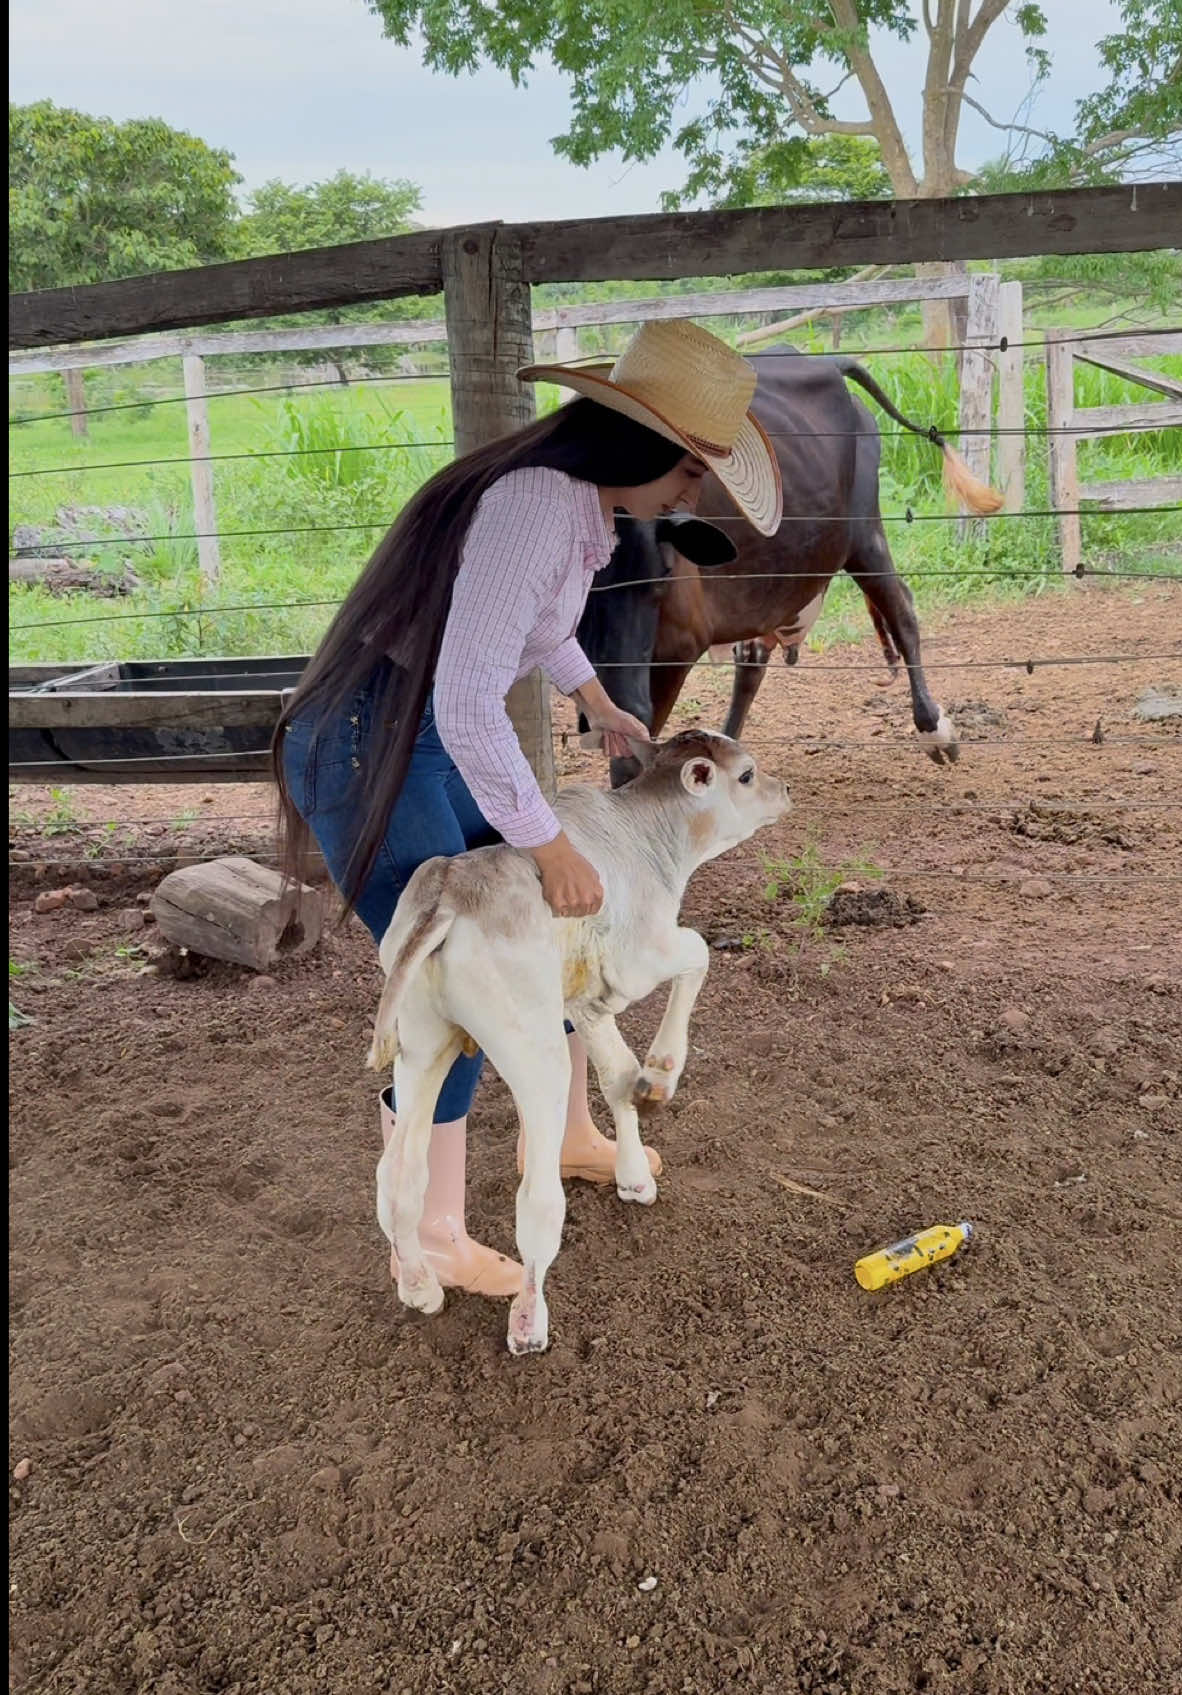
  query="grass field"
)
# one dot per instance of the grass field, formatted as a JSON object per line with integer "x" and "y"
{"x": 380, "y": 440}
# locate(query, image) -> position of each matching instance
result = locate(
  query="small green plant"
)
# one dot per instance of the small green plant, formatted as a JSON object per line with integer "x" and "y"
{"x": 20, "y": 967}
{"x": 17, "y": 1019}
{"x": 809, "y": 884}
{"x": 62, "y": 817}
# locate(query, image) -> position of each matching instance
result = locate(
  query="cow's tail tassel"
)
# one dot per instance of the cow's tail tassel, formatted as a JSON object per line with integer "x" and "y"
{"x": 963, "y": 487}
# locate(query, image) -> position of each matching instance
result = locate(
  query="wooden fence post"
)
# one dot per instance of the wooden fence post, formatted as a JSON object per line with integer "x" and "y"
{"x": 976, "y": 381}
{"x": 489, "y": 337}
{"x": 1011, "y": 402}
{"x": 1064, "y": 471}
{"x": 205, "y": 520}
{"x": 76, "y": 400}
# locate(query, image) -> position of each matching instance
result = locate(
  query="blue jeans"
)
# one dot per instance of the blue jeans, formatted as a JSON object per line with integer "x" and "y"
{"x": 434, "y": 814}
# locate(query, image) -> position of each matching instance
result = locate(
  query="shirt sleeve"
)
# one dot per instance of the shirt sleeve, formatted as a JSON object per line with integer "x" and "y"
{"x": 519, "y": 538}
{"x": 568, "y": 667}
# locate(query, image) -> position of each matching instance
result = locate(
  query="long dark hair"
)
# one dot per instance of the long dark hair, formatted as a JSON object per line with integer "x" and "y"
{"x": 402, "y": 598}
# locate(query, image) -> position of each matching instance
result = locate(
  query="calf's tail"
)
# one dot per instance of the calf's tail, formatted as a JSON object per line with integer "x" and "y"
{"x": 960, "y": 482}
{"x": 428, "y": 930}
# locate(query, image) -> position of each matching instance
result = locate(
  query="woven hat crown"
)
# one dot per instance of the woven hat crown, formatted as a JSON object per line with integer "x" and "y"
{"x": 687, "y": 375}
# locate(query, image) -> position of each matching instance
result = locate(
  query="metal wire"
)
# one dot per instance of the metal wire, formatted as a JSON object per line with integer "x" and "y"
{"x": 216, "y": 458}
{"x": 213, "y": 393}
{"x": 907, "y": 517}
{"x": 950, "y": 808}
{"x": 1003, "y": 345}
{"x": 819, "y": 743}
{"x": 923, "y": 871}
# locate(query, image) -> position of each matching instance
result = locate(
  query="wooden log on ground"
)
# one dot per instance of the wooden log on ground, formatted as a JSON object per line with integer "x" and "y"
{"x": 68, "y": 576}
{"x": 233, "y": 909}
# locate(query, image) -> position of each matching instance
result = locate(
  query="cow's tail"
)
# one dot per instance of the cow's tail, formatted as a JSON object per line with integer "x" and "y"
{"x": 960, "y": 482}
{"x": 427, "y": 930}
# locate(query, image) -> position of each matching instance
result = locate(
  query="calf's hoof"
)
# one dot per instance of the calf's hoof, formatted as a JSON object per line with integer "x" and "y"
{"x": 423, "y": 1292}
{"x": 657, "y": 1083}
{"x": 642, "y": 1194}
{"x": 529, "y": 1326}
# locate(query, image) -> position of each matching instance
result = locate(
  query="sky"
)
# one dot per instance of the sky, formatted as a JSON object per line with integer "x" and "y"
{"x": 299, "y": 89}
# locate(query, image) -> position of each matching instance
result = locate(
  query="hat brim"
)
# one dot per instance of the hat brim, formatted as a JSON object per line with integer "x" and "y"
{"x": 749, "y": 473}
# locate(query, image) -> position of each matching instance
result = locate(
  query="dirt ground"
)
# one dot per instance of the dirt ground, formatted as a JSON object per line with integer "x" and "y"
{"x": 238, "y": 1465}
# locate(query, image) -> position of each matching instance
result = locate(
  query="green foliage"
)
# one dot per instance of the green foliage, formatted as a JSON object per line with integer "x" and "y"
{"x": 731, "y": 85}
{"x": 283, "y": 218}
{"x": 835, "y": 167}
{"x": 809, "y": 883}
{"x": 90, "y": 199}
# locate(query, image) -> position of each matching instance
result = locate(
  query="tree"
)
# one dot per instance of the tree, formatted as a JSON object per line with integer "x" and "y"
{"x": 90, "y": 199}
{"x": 760, "y": 74}
{"x": 834, "y": 167}
{"x": 759, "y": 68}
{"x": 281, "y": 218}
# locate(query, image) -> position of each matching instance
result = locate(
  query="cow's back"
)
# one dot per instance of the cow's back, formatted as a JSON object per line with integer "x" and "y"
{"x": 813, "y": 423}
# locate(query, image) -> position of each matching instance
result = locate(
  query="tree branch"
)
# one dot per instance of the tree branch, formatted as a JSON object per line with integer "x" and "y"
{"x": 1014, "y": 128}
{"x": 967, "y": 50}
{"x": 884, "y": 125}
{"x": 786, "y": 82}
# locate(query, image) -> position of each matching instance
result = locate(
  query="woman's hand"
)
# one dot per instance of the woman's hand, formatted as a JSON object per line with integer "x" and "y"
{"x": 570, "y": 883}
{"x": 618, "y": 728}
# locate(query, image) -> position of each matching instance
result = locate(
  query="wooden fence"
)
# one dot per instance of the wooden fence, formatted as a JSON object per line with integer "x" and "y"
{"x": 1064, "y": 350}
{"x": 485, "y": 273}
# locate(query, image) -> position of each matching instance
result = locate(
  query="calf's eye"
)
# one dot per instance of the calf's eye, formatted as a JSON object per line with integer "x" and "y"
{"x": 747, "y": 776}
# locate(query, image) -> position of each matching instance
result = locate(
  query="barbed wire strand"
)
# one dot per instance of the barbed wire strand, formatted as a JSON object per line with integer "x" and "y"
{"x": 951, "y": 808}
{"x": 16, "y": 421}
{"x": 820, "y": 744}
{"x": 993, "y": 880}
{"x": 163, "y": 684}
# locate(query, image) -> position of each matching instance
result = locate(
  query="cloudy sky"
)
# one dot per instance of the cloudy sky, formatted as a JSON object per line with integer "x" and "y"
{"x": 301, "y": 88}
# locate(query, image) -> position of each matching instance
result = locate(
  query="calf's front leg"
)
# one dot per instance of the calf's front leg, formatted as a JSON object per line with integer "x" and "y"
{"x": 657, "y": 1083}
{"x": 617, "y": 1069}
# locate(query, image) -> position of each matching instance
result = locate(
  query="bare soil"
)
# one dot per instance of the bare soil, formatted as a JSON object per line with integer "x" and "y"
{"x": 238, "y": 1465}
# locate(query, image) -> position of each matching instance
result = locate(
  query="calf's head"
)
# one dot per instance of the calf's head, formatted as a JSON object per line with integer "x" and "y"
{"x": 714, "y": 784}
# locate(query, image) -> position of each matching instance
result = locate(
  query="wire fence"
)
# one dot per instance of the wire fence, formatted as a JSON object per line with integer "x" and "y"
{"x": 1004, "y": 344}
{"x": 245, "y": 679}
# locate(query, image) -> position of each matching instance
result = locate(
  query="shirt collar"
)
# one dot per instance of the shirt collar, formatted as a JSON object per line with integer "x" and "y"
{"x": 596, "y": 535}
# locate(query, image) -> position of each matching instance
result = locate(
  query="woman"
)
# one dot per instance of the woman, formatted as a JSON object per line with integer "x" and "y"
{"x": 396, "y": 747}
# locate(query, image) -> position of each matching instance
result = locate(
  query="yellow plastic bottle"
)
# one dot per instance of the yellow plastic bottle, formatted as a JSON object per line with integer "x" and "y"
{"x": 888, "y": 1265}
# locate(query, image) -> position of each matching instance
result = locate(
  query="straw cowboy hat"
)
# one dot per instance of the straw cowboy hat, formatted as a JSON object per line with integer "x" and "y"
{"x": 686, "y": 385}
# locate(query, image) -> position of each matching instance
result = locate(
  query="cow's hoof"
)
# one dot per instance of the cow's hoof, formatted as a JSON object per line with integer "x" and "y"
{"x": 423, "y": 1292}
{"x": 529, "y": 1327}
{"x": 940, "y": 744}
{"x": 643, "y": 1194}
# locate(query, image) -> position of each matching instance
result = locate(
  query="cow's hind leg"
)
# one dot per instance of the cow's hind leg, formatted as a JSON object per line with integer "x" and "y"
{"x": 617, "y": 1069}
{"x": 873, "y": 570}
{"x": 658, "y": 1081}
{"x": 751, "y": 659}
{"x": 428, "y": 1047}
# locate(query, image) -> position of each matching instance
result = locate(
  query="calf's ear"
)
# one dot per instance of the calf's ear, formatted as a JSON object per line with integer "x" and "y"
{"x": 699, "y": 775}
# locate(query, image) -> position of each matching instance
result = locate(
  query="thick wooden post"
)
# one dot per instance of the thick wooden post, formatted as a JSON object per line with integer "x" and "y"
{"x": 976, "y": 381}
{"x": 1064, "y": 473}
{"x": 1011, "y": 402}
{"x": 205, "y": 522}
{"x": 489, "y": 337}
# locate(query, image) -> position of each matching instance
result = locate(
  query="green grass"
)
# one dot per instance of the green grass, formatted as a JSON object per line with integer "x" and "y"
{"x": 360, "y": 488}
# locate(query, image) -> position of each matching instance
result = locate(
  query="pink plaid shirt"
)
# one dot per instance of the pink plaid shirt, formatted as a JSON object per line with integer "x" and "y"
{"x": 535, "y": 542}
